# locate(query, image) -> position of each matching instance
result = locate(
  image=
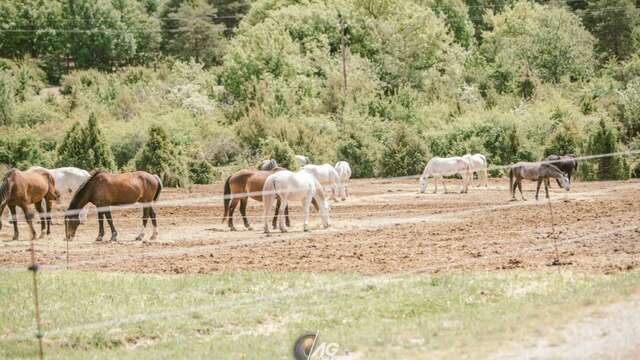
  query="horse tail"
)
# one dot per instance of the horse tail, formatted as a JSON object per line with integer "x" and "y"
{"x": 5, "y": 189}
{"x": 226, "y": 198}
{"x": 160, "y": 186}
{"x": 52, "y": 185}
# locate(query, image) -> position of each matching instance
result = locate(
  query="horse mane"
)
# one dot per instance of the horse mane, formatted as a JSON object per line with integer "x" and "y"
{"x": 82, "y": 189}
{"x": 554, "y": 168}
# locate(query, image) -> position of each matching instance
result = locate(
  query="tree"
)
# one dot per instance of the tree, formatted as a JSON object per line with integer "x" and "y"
{"x": 159, "y": 156}
{"x": 550, "y": 40}
{"x": 404, "y": 154}
{"x": 196, "y": 35}
{"x": 612, "y": 22}
{"x": 604, "y": 140}
{"x": 85, "y": 147}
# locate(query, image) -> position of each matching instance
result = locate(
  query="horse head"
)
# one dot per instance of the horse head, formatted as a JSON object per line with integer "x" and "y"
{"x": 564, "y": 182}
{"x": 325, "y": 209}
{"x": 71, "y": 223}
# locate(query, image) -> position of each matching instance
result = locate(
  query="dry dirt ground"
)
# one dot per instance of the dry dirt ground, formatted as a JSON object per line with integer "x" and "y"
{"x": 385, "y": 227}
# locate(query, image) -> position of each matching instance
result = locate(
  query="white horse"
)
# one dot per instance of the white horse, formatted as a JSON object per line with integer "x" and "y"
{"x": 326, "y": 175}
{"x": 344, "y": 173}
{"x": 68, "y": 179}
{"x": 287, "y": 185}
{"x": 302, "y": 160}
{"x": 439, "y": 167}
{"x": 478, "y": 164}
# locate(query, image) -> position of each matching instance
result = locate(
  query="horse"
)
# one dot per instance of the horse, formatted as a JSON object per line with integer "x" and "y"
{"x": 286, "y": 185}
{"x": 242, "y": 185}
{"x": 344, "y": 174}
{"x": 438, "y": 167}
{"x": 567, "y": 163}
{"x": 68, "y": 179}
{"x": 326, "y": 175}
{"x": 268, "y": 165}
{"x": 302, "y": 160}
{"x": 478, "y": 165}
{"x": 540, "y": 172}
{"x": 23, "y": 188}
{"x": 104, "y": 190}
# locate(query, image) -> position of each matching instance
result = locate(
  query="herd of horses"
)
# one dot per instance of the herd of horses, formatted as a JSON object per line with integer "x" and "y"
{"x": 269, "y": 184}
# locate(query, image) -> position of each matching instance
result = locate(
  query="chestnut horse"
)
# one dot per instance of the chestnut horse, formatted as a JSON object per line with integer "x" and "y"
{"x": 243, "y": 185}
{"x": 23, "y": 188}
{"x": 104, "y": 190}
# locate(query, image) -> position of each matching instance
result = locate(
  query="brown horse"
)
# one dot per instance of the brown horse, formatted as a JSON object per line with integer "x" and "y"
{"x": 104, "y": 190}
{"x": 242, "y": 185}
{"x": 540, "y": 172}
{"x": 23, "y": 188}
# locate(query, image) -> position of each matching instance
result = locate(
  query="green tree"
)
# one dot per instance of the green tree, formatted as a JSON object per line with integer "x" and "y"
{"x": 160, "y": 156}
{"x": 604, "y": 140}
{"x": 404, "y": 153}
{"x": 6, "y": 100}
{"x": 612, "y": 22}
{"x": 550, "y": 40}
{"x": 85, "y": 147}
{"x": 196, "y": 35}
{"x": 629, "y": 110}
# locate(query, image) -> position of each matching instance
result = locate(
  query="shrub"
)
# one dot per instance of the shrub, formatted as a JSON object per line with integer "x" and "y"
{"x": 85, "y": 147}
{"x": 359, "y": 148}
{"x": 629, "y": 109}
{"x": 272, "y": 148}
{"x": 23, "y": 149}
{"x": 34, "y": 112}
{"x": 201, "y": 172}
{"x": 604, "y": 140}
{"x": 404, "y": 153}
{"x": 6, "y": 100}
{"x": 160, "y": 156}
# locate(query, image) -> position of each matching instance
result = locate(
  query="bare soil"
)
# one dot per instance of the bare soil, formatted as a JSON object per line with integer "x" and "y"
{"x": 385, "y": 227}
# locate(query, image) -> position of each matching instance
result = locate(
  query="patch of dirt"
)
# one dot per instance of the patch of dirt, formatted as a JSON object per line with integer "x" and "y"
{"x": 385, "y": 227}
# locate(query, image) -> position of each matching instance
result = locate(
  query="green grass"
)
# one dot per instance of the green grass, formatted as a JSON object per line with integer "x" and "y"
{"x": 258, "y": 315}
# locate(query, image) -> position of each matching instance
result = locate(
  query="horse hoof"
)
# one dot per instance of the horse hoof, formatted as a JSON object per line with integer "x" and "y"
{"x": 114, "y": 238}
{"x": 153, "y": 237}
{"x": 99, "y": 239}
{"x": 139, "y": 237}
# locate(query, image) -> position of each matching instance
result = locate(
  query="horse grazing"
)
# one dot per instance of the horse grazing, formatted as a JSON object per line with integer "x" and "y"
{"x": 439, "y": 167}
{"x": 540, "y": 172}
{"x": 478, "y": 165}
{"x": 567, "y": 163}
{"x": 23, "y": 188}
{"x": 344, "y": 174}
{"x": 104, "y": 190}
{"x": 268, "y": 165}
{"x": 326, "y": 175}
{"x": 302, "y": 160}
{"x": 242, "y": 185}
{"x": 302, "y": 186}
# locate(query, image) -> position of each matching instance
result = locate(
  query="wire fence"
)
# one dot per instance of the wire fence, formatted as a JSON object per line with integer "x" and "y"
{"x": 554, "y": 244}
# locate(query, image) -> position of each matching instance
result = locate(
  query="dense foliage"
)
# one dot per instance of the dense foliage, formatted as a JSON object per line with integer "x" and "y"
{"x": 194, "y": 89}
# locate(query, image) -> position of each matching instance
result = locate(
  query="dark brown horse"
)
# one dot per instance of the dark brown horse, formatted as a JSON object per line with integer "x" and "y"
{"x": 241, "y": 186}
{"x": 104, "y": 190}
{"x": 23, "y": 188}
{"x": 567, "y": 163}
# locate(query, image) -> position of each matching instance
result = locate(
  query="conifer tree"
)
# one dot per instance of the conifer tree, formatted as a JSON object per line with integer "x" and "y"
{"x": 86, "y": 147}
{"x": 159, "y": 156}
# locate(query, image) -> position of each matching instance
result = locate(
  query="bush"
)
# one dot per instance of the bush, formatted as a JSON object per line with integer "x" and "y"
{"x": 404, "y": 153}
{"x": 159, "y": 156}
{"x": 604, "y": 140}
{"x": 272, "y": 148}
{"x": 22, "y": 149}
{"x": 85, "y": 147}
{"x": 359, "y": 148}
{"x": 6, "y": 100}
{"x": 201, "y": 172}
{"x": 35, "y": 112}
{"x": 629, "y": 109}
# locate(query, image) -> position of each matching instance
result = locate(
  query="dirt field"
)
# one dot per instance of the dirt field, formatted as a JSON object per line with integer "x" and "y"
{"x": 385, "y": 227}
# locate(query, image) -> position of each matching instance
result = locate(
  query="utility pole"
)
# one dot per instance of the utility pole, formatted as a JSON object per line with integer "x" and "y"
{"x": 342, "y": 26}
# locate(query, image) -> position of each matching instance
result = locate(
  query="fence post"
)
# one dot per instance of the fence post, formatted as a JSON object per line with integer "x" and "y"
{"x": 36, "y": 301}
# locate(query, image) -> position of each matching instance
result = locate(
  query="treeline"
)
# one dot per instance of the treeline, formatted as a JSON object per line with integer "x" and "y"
{"x": 195, "y": 89}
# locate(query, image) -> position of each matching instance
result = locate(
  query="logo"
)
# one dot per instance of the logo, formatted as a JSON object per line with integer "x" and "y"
{"x": 309, "y": 347}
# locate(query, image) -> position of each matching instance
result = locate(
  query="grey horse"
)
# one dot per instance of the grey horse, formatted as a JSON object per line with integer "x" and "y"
{"x": 268, "y": 165}
{"x": 540, "y": 172}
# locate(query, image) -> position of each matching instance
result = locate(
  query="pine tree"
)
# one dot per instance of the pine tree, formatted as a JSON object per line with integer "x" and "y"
{"x": 605, "y": 141}
{"x": 86, "y": 147}
{"x": 160, "y": 156}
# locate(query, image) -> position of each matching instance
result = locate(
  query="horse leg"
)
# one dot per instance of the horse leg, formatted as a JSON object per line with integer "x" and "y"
{"x": 305, "y": 208}
{"x": 154, "y": 222}
{"x": 267, "y": 203}
{"x": 232, "y": 208}
{"x": 28, "y": 214}
{"x": 281, "y": 221}
{"x": 145, "y": 216}
{"x": 42, "y": 217}
{"x": 444, "y": 184}
{"x": 520, "y": 188}
{"x": 114, "y": 233}
{"x": 49, "y": 205}
{"x": 1, "y": 212}
{"x": 546, "y": 189}
{"x": 14, "y": 220}
{"x": 286, "y": 216}
{"x": 100, "y": 226}
{"x": 540, "y": 180}
{"x": 274, "y": 223}
{"x": 243, "y": 212}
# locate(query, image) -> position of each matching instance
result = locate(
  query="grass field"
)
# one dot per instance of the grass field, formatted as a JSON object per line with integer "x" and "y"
{"x": 258, "y": 315}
